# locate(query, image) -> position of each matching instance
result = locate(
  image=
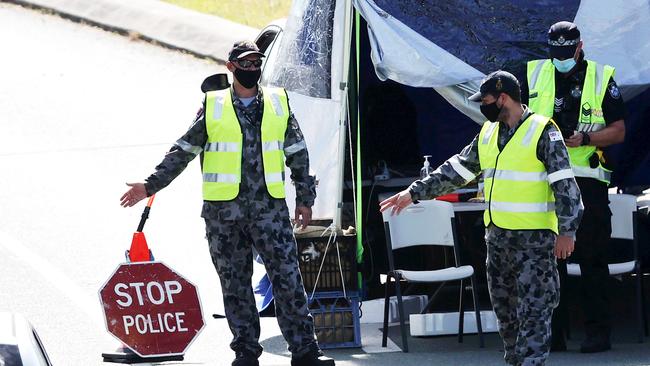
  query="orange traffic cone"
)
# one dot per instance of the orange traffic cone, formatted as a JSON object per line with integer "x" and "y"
{"x": 139, "y": 251}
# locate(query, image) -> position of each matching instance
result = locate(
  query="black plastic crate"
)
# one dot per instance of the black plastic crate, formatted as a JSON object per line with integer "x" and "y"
{"x": 336, "y": 319}
{"x": 338, "y": 268}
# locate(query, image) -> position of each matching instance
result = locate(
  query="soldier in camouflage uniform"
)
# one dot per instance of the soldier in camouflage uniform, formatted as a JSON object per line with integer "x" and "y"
{"x": 521, "y": 264}
{"x": 253, "y": 219}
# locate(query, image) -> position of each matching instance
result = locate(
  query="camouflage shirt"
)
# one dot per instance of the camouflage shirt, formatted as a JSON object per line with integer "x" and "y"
{"x": 253, "y": 200}
{"x": 553, "y": 154}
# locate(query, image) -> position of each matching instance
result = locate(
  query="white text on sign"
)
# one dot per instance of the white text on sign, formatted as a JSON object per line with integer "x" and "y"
{"x": 166, "y": 323}
{"x": 156, "y": 293}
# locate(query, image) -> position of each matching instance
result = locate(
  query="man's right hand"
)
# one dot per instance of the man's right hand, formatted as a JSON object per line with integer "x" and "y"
{"x": 397, "y": 202}
{"x": 135, "y": 194}
{"x": 574, "y": 141}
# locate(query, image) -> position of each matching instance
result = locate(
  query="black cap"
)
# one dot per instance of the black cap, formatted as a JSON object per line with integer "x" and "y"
{"x": 242, "y": 49}
{"x": 496, "y": 83}
{"x": 563, "y": 38}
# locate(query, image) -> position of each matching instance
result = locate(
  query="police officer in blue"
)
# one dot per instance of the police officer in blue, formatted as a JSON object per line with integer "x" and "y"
{"x": 584, "y": 100}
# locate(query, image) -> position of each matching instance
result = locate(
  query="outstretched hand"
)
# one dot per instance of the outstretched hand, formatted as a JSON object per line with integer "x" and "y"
{"x": 398, "y": 202}
{"x": 135, "y": 194}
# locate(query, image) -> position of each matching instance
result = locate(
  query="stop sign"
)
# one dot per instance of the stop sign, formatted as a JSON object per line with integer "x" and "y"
{"x": 151, "y": 309}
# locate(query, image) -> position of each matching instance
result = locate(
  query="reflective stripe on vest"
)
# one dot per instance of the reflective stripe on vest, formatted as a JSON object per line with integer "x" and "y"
{"x": 274, "y": 126}
{"x": 541, "y": 82}
{"x": 223, "y": 149}
{"x": 517, "y": 191}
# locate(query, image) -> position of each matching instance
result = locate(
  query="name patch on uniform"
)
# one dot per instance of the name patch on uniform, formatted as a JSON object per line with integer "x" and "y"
{"x": 555, "y": 136}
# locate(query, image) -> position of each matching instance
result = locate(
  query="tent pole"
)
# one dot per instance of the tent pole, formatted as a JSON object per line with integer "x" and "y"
{"x": 356, "y": 113}
{"x": 345, "y": 111}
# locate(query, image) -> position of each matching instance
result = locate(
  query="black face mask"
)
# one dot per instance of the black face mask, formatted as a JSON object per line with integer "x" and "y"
{"x": 491, "y": 111}
{"x": 248, "y": 78}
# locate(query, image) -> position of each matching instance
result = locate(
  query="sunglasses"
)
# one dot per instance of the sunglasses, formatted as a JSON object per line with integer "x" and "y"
{"x": 248, "y": 63}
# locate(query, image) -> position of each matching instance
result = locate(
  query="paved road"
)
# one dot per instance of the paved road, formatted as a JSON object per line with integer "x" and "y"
{"x": 81, "y": 112}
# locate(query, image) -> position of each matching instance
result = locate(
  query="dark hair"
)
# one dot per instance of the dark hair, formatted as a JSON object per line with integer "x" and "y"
{"x": 516, "y": 95}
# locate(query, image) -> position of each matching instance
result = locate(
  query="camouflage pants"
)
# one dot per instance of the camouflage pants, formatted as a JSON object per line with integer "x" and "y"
{"x": 231, "y": 247}
{"x": 524, "y": 288}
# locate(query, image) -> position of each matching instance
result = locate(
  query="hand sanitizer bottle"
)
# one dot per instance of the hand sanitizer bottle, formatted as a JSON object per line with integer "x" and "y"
{"x": 426, "y": 169}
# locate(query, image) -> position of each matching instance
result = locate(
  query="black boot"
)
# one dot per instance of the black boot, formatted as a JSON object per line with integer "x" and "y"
{"x": 245, "y": 358}
{"x": 312, "y": 358}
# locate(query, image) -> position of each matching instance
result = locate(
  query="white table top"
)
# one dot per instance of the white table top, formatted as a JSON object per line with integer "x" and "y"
{"x": 469, "y": 206}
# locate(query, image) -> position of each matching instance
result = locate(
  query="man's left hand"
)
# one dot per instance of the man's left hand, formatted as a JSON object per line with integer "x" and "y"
{"x": 574, "y": 141}
{"x": 563, "y": 246}
{"x": 303, "y": 216}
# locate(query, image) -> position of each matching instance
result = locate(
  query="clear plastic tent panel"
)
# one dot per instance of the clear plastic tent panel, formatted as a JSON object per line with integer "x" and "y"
{"x": 303, "y": 63}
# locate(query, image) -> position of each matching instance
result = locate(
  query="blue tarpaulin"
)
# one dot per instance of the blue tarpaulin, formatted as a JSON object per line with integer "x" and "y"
{"x": 487, "y": 35}
{"x": 451, "y": 45}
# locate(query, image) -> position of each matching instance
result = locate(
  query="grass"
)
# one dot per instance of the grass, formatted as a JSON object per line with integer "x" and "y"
{"x": 254, "y": 13}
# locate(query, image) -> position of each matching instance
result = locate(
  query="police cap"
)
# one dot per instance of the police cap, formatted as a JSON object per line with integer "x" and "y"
{"x": 563, "y": 38}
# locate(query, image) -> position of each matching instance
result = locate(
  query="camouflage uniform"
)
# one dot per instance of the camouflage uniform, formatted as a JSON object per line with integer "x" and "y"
{"x": 521, "y": 266}
{"x": 252, "y": 219}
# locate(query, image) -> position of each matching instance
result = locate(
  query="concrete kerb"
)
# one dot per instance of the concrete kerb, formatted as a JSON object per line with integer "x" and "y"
{"x": 202, "y": 35}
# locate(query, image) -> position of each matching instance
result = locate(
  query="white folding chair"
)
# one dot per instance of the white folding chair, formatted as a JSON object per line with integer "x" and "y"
{"x": 624, "y": 212}
{"x": 430, "y": 222}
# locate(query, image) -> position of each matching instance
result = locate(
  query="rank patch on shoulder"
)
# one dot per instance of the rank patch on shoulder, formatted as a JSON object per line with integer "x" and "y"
{"x": 614, "y": 92}
{"x": 555, "y": 136}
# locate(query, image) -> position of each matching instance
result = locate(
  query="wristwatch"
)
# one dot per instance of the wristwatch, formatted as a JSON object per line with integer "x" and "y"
{"x": 585, "y": 138}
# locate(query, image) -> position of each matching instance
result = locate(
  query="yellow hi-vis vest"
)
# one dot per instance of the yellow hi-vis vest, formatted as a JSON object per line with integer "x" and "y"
{"x": 516, "y": 188}
{"x": 222, "y": 158}
{"x": 541, "y": 83}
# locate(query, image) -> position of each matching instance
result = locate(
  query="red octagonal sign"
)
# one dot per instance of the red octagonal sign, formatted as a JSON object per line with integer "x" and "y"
{"x": 151, "y": 309}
